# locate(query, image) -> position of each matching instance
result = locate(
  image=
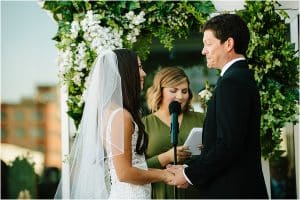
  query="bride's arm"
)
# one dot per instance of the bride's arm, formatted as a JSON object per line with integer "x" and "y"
{"x": 122, "y": 163}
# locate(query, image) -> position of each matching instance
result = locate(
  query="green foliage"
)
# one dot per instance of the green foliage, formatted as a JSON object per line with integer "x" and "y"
{"x": 276, "y": 68}
{"x": 271, "y": 57}
{"x": 77, "y": 33}
{"x": 21, "y": 177}
{"x": 165, "y": 19}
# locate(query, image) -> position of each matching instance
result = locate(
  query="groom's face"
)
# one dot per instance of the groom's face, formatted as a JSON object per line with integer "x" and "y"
{"x": 214, "y": 51}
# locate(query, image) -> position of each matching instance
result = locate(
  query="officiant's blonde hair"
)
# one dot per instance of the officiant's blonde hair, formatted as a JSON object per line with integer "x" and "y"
{"x": 166, "y": 77}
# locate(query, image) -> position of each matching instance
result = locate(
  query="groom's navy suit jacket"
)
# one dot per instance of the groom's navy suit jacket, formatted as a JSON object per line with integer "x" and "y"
{"x": 230, "y": 163}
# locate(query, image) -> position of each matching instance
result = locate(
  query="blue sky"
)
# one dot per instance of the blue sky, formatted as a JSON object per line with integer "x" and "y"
{"x": 28, "y": 52}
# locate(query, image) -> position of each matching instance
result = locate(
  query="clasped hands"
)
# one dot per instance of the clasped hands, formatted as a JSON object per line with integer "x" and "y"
{"x": 176, "y": 172}
{"x": 176, "y": 176}
{"x": 173, "y": 171}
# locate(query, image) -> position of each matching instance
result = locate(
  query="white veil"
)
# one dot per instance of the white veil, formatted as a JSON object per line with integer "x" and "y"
{"x": 89, "y": 177}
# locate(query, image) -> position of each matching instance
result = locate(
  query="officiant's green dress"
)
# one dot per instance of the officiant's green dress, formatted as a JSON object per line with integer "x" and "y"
{"x": 160, "y": 141}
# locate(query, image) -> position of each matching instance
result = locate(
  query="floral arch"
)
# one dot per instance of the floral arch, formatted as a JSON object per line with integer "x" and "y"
{"x": 88, "y": 27}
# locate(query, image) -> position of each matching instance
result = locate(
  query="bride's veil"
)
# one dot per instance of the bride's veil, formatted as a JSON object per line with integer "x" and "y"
{"x": 88, "y": 169}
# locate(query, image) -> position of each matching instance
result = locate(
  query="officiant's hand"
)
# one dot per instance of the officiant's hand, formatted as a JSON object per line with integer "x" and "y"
{"x": 200, "y": 147}
{"x": 178, "y": 179}
{"x": 182, "y": 154}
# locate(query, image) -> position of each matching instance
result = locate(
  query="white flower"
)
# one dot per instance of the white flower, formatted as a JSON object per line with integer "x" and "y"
{"x": 75, "y": 27}
{"x": 65, "y": 59}
{"x": 205, "y": 94}
{"x": 73, "y": 56}
{"x": 89, "y": 20}
{"x": 65, "y": 63}
{"x": 81, "y": 49}
{"x": 136, "y": 31}
{"x": 131, "y": 37}
{"x": 130, "y": 15}
{"x": 84, "y": 93}
{"x": 139, "y": 18}
{"x": 142, "y": 14}
{"x": 77, "y": 78}
{"x": 80, "y": 103}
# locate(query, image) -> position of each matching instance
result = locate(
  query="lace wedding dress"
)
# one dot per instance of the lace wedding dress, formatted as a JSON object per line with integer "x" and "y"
{"x": 122, "y": 190}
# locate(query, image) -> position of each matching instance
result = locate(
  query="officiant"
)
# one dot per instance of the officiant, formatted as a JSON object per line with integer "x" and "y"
{"x": 169, "y": 84}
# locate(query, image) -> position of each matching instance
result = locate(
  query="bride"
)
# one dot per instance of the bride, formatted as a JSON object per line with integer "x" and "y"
{"x": 107, "y": 159}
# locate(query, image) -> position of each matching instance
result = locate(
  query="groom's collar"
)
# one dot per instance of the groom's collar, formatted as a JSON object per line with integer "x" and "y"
{"x": 227, "y": 65}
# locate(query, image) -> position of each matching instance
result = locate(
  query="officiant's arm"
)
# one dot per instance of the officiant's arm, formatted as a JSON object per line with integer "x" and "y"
{"x": 165, "y": 158}
{"x": 123, "y": 162}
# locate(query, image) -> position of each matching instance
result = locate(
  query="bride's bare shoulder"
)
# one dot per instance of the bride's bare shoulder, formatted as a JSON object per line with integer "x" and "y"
{"x": 124, "y": 119}
{"x": 124, "y": 115}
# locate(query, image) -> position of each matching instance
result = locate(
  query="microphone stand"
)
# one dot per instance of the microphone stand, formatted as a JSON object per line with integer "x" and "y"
{"x": 174, "y": 109}
{"x": 174, "y": 142}
{"x": 175, "y": 163}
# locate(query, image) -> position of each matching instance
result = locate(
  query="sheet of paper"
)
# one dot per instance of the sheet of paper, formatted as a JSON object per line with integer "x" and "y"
{"x": 193, "y": 140}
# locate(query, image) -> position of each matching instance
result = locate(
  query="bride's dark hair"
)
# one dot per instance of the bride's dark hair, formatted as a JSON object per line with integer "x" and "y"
{"x": 131, "y": 89}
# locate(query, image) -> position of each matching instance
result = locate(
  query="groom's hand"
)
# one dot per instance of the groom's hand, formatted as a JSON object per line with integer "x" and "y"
{"x": 178, "y": 179}
{"x": 184, "y": 186}
{"x": 168, "y": 176}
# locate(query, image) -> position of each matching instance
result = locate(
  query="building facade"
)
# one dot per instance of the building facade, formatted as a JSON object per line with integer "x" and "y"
{"x": 35, "y": 124}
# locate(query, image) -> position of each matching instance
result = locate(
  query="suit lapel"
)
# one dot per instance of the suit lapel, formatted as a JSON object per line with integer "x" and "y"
{"x": 218, "y": 82}
{"x": 237, "y": 64}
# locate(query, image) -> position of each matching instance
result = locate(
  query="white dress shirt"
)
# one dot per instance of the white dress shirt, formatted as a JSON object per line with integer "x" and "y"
{"x": 227, "y": 65}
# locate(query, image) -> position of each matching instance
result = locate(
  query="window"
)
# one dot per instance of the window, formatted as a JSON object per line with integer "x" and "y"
{"x": 37, "y": 132}
{"x": 20, "y": 133}
{"x": 46, "y": 97}
{"x": 19, "y": 115}
{"x": 3, "y": 115}
{"x": 3, "y": 133}
{"x": 37, "y": 115}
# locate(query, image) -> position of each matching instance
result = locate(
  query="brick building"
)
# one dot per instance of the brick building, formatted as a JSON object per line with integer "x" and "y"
{"x": 35, "y": 124}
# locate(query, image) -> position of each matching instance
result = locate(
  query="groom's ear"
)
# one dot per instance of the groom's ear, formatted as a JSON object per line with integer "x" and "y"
{"x": 229, "y": 44}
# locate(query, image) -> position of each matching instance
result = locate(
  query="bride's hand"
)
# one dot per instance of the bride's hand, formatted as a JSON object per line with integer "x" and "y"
{"x": 167, "y": 176}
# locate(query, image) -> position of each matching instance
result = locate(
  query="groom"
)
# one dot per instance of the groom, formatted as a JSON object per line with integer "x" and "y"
{"x": 230, "y": 163}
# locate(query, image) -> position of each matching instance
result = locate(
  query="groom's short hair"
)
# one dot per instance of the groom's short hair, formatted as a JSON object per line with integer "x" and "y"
{"x": 225, "y": 26}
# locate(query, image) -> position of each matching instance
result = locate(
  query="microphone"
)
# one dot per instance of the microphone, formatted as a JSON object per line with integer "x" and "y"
{"x": 174, "y": 110}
